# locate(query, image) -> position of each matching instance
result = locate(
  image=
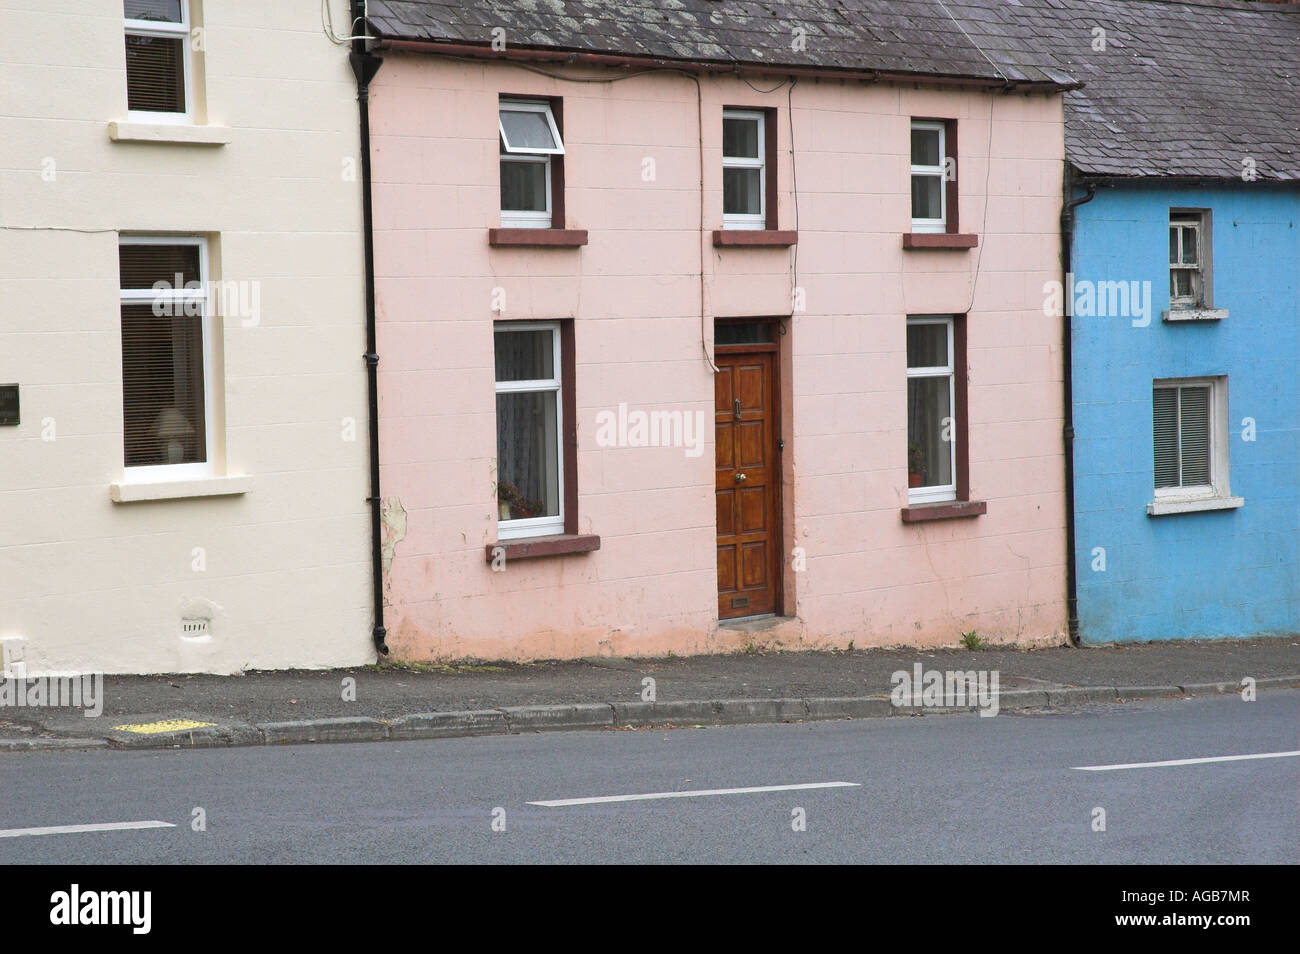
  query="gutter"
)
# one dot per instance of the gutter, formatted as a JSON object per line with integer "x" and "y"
{"x": 626, "y": 61}
{"x": 365, "y": 66}
{"x": 1067, "y": 379}
{"x": 1114, "y": 181}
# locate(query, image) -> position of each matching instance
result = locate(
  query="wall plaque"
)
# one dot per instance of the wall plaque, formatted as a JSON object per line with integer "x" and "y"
{"x": 8, "y": 405}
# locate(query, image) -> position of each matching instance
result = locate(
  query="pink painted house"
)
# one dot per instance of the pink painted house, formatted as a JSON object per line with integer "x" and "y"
{"x": 697, "y": 331}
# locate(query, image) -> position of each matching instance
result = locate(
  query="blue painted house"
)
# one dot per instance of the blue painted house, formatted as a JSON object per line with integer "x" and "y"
{"x": 1184, "y": 258}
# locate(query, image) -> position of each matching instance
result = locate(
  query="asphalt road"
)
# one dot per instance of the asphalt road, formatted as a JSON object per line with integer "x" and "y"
{"x": 947, "y": 789}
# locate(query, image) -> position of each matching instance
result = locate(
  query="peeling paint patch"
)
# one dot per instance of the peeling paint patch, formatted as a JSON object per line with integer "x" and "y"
{"x": 394, "y": 519}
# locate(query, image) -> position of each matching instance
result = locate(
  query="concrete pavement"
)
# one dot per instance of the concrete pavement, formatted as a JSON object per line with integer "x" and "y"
{"x": 395, "y": 702}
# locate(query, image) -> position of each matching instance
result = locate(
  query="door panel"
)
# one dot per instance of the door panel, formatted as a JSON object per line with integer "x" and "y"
{"x": 747, "y": 485}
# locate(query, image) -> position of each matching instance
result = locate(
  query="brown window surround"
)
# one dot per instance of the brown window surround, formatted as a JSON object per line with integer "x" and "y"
{"x": 556, "y": 236}
{"x": 570, "y": 541}
{"x": 962, "y": 506}
{"x": 770, "y": 236}
{"x": 952, "y": 237}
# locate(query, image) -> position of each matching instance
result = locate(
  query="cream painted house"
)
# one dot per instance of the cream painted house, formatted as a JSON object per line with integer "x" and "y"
{"x": 709, "y": 325}
{"x": 183, "y": 464}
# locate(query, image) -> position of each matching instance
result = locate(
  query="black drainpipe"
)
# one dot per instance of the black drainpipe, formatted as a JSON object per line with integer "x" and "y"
{"x": 365, "y": 66}
{"x": 1067, "y": 243}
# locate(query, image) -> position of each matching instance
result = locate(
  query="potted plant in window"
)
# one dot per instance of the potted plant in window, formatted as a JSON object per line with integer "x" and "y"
{"x": 513, "y": 505}
{"x": 915, "y": 465}
{"x": 507, "y": 493}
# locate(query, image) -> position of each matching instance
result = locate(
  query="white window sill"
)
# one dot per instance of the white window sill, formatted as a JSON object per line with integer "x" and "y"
{"x": 129, "y": 492}
{"x": 1195, "y": 314}
{"x": 506, "y": 534}
{"x": 169, "y": 133}
{"x": 1163, "y": 506}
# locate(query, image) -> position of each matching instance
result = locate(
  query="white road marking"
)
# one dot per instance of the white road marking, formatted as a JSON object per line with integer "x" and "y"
{"x": 601, "y": 799}
{"x": 77, "y": 829}
{"x": 1217, "y": 758}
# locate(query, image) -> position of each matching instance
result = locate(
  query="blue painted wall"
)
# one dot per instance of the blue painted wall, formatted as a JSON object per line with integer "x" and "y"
{"x": 1224, "y": 573}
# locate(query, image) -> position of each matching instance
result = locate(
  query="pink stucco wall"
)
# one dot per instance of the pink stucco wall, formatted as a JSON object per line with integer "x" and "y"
{"x": 634, "y": 293}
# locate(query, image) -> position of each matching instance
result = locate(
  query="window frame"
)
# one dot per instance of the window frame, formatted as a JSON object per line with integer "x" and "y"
{"x": 1217, "y": 431}
{"x": 154, "y": 473}
{"x": 947, "y": 189}
{"x": 952, "y": 491}
{"x": 749, "y": 221}
{"x": 1199, "y": 220}
{"x": 550, "y": 525}
{"x": 552, "y": 159}
{"x": 172, "y": 31}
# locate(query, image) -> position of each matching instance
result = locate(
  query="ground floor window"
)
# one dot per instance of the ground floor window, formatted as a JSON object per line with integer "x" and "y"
{"x": 166, "y": 360}
{"x": 530, "y": 453}
{"x": 932, "y": 435}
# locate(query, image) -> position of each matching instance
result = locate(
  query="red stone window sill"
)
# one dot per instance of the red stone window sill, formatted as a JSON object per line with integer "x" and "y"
{"x": 556, "y": 545}
{"x": 940, "y": 240}
{"x": 754, "y": 238}
{"x": 538, "y": 238}
{"x": 944, "y": 510}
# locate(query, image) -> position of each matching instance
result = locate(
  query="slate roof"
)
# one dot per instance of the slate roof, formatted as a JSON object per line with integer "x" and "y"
{"x": 1184, "y": 87}
{"x": 898, "y": 36}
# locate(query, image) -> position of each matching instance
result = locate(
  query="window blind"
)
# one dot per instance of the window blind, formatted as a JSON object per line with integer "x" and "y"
{"x": 163, "y": 406}
{"x": 1194, "y": 425}
{"x": 1165, "y": 434}
{"x": 155, "y": 73}
{"x": 1181, "y": 435}
{"x": 166, "y": 11}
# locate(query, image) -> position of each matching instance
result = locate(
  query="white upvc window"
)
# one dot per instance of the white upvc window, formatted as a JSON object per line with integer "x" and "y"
{"x": 931, "y": 402}
{"x": 159, "y": 65}
{"x": 529, "y": 138}
{"x": 929, "y": 192}
{"x": 1187, "y": 259}
{"x": 744, "y": 169}
{"x": 167, "y": 362}
{"x": 1189, "y": 425}
{"x": 530, "y": 407}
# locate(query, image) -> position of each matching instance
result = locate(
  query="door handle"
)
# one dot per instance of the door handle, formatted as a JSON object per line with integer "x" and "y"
{"x": 741, "y": 478}
{"x": 736, "y": 404}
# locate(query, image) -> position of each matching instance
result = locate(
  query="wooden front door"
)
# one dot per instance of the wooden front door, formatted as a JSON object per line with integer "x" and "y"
{"x": 747, "y": 483}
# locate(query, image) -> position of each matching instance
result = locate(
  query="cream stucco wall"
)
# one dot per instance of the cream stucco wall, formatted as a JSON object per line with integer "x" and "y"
{"x": 634, "y": 295}
{"x": 95, "y": 585}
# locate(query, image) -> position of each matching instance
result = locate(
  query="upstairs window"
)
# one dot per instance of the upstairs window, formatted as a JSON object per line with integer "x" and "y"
{"x": 158, "y": 84}
{"x": 931, "y": 201}
{"x": 531, "y": 154}
{"x": 744, "y": 169}
{"x": 1188, "y": 259}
